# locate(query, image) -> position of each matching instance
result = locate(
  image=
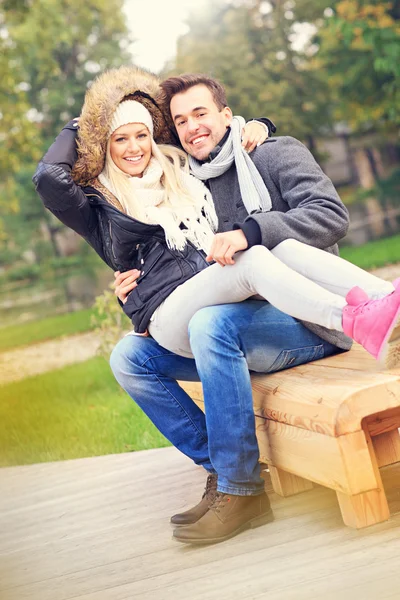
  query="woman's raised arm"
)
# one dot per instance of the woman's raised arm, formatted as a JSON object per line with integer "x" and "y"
{"x": 55, "y": 186}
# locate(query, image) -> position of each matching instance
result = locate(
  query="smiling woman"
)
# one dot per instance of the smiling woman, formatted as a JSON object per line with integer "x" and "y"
{"x": 129, "y": 145}
{"x": 132, "y": 199}
{"x": 130, "y": 148}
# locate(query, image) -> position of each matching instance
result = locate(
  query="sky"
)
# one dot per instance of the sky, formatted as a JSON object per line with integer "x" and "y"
{"x": 156, "y": 26}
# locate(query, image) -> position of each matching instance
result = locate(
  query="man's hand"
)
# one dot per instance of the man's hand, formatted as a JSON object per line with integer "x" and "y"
{"x": 254, "y": 134}
{"x": 124, "y": 283}
{"x": 225, "y": 245}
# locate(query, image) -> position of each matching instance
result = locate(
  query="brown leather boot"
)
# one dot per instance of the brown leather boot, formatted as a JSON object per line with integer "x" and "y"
{"x": 194, "y": 514}
{"x": 227, "y": 516}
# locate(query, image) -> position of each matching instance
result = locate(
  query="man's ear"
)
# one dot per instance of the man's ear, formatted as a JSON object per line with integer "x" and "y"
{"x": 228, "y": 115}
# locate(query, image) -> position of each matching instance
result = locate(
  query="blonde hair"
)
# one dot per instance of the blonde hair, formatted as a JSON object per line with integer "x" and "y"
{"x": 172, "y": 161}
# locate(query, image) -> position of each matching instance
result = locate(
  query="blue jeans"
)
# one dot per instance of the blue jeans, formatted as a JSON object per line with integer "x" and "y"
{"x": 227, "y": 342}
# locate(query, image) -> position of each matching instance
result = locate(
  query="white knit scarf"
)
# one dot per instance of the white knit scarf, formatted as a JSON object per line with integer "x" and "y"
{"x": 148, "y": 199}
{"x": 253, "y": 190}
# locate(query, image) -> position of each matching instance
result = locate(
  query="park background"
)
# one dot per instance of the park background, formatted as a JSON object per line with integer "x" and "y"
{"x": 326, "y": 72}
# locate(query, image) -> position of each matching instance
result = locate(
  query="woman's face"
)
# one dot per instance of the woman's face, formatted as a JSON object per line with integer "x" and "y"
{"x": 130, "y": 148}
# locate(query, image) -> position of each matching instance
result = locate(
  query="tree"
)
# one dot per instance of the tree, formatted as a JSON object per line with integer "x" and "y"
{"x": 252, "y": 46}
{"x": 18, "y": 136}
{"x": 49, "y": 52}
{"x": 360, "y": 52}
{"x": 59, "y": 46}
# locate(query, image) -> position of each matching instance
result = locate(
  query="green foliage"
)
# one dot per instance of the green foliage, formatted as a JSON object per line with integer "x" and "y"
{"x": 360, "y": 53}
{"x": 59, "y": 45}
{"x": 18, "y": 136}
{"x": 251, "y": 50}
{"x": 20, "y": 273}
{"x": 389, "y": 188}
{"x": 347, "y": 70}
{"x": 378, "y": 253}
{"x": 25, "y": 334}
{"x": 49, "y": 52}
{"x": 386, "y": 190}
{"x": 8, "y": 256}
{"x": 23, "y": 227}
{"x": 109, "y": 321}
{"x": 85, "y": 262}
{"x": 48, "y": 267}
{"x": 77, "y": 411}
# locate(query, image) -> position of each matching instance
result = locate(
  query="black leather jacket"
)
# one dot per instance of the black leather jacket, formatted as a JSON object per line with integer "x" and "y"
{"x": 121, "y": 241}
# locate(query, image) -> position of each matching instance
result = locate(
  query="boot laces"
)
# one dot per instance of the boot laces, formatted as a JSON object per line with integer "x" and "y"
{"x": 211, "y": 487}
{"x": 219, "y": 502}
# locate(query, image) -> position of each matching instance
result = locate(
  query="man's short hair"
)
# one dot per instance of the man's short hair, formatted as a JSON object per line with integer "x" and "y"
{"x": 181, "y": 83}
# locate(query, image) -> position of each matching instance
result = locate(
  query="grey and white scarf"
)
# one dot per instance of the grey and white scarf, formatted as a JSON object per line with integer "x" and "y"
{"x": 253, "y": 190}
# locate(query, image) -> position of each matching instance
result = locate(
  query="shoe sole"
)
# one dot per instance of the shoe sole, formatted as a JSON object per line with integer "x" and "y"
{"x": 389, "y": 353}
{"x": 252, "y": 524}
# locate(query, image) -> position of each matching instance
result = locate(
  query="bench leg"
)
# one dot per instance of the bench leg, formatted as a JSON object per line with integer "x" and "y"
{"x": 285, "y": 484}
{"x": 387, "y": 447}
{"x": 367, "y": 508}
{"x": 364, "y": 509}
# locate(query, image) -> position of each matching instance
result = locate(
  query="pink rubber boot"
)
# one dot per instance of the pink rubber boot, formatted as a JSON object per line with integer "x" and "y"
{"x": 375, "y": 324}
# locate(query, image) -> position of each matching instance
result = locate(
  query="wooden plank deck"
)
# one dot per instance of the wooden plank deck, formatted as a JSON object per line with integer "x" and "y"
{"x": 97, "y": 529}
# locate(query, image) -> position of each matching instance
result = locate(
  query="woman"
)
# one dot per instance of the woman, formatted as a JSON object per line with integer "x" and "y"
{"x": 70, "y": 185}
{"x": 144, "y": 211}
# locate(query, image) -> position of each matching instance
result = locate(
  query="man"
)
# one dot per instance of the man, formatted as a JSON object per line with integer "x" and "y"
{"x": 229, "y": 341}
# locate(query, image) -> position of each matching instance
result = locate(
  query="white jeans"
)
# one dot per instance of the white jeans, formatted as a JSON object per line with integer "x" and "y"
{"x": 307, "y": 283}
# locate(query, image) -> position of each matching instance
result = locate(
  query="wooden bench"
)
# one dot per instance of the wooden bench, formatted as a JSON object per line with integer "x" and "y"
{"x": 333, "y": 422}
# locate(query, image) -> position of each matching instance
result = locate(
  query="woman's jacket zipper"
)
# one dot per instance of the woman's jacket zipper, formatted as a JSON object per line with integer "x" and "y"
{"x": 111, "y": 240}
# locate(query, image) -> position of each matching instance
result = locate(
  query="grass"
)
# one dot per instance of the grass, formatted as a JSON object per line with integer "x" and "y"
{"x": 45, "y": 329}
{"x": 73, "y": 412}
{"x": 373, "y": 254}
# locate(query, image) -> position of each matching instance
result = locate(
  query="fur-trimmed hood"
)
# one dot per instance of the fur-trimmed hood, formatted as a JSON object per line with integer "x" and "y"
{"x": 101, "y": 100}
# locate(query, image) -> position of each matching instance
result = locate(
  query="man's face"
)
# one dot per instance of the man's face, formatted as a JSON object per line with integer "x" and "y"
{"x": 199, "y": 123}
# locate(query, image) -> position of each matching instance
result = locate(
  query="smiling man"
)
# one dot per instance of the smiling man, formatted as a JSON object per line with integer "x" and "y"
{"x": 276, "y": 193}
{"x": 201, "y": 119}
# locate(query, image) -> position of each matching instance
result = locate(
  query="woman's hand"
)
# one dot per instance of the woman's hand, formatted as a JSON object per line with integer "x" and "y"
{"x": 254, "y": 134}
{"x": 124, "y": 283}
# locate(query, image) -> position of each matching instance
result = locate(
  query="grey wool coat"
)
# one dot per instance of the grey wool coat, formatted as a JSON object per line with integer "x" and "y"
{"x": 305, "y": 206}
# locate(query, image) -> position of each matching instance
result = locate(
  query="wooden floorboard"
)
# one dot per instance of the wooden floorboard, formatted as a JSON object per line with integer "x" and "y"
{"x": 98, "y": 529}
